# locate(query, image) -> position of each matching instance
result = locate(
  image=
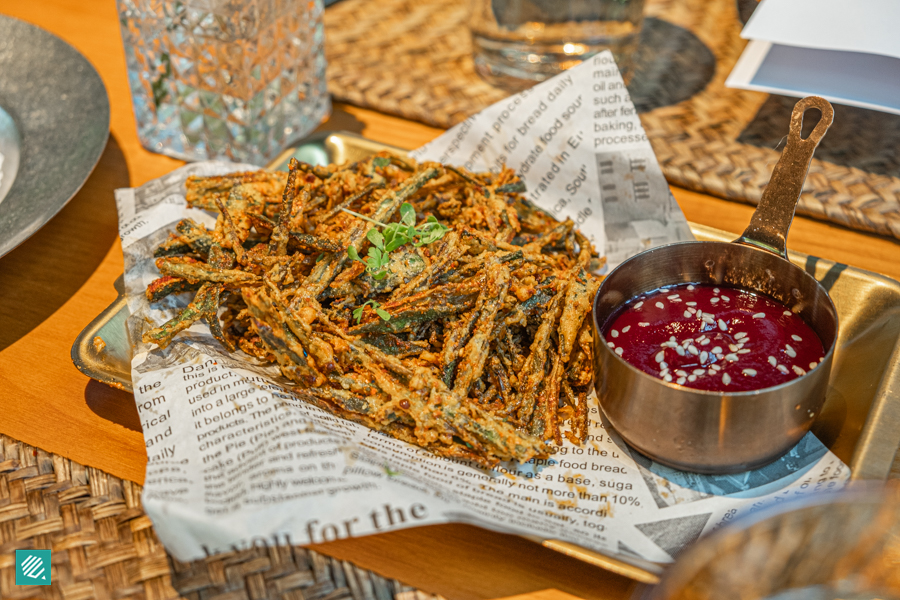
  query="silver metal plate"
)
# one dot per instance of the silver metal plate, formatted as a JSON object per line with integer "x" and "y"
{"x": 56, "y": 130}
{"x": 860, "y": 421}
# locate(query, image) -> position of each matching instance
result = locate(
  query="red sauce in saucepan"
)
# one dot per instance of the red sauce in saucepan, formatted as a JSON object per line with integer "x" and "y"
{"x": 713, "y": 338}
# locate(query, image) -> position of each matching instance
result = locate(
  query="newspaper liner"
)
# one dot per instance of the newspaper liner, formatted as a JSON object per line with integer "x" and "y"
{"x": 236, "y": 460}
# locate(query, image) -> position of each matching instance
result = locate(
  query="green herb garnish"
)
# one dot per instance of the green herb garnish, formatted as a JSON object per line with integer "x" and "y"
{"x": 385, "y": 315}
{"x": 394, "y": 236}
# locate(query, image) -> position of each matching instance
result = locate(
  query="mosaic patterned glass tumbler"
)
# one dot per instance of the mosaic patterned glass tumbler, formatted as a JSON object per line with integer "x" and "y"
{"x": 235, "y": 79}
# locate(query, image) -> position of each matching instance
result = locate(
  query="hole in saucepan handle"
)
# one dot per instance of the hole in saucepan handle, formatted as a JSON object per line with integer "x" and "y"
{"x": 811, "y": 118}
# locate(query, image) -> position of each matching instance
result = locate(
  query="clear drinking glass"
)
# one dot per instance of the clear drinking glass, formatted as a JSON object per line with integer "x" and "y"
{"x": 518, "y": 42}
{"x": 224, "y": 78}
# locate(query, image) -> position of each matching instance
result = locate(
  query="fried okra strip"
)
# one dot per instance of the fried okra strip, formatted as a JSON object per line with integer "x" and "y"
{"x": 579, "y": 370}
{"x": 164, "y": 286}
{"x": 175, "y": 266}
{"x": 578, "y": 303}
{"x": 393, "y": 345}
{"x": 455, "y": 338}
{"x": 279, "y": 239}
{"x": 232, "y": 232}
{"x": 362, "y": 405}
{"x": 195, "y": 235}
{"x": 221, "y": 259}
{"x": 200, "y": 305}
{"x": 478, "y": 348}
{"x": 173, "y": 246}
{"x": 500, "y": 379}
{"x": 551, "y": 398}
{"x": 533, "y": 373}
{"x": 315, "y": 242}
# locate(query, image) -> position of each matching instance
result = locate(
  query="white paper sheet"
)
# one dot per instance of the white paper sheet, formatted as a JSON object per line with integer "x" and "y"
{"x": 235, "y": 459}
{"x": 864, "y": 80}
{"x": 868, "y": 26}
{"x": 848, "y": 53}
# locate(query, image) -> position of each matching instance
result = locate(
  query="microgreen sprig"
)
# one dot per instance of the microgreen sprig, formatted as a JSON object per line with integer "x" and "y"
{"x": 393, "y": 236}
{"x": 385, "y": 315}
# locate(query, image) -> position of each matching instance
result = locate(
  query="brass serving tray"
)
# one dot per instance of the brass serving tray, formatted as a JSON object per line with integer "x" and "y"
{"x": 860, "y": 422}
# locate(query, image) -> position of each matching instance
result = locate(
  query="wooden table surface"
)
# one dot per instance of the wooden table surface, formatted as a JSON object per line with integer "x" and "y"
{"x": 62, "y": 277}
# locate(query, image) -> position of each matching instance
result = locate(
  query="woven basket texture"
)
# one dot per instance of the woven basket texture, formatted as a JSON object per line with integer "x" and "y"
{"x": 103, "y": 545}
{"x": 413, "y": 58}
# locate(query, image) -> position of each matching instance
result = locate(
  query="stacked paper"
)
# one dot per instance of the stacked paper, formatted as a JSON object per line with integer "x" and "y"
{"x": 847, "y": 52}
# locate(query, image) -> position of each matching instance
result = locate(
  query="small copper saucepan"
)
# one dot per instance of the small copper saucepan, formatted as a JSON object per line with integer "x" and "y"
{"x": 722, "y": 432}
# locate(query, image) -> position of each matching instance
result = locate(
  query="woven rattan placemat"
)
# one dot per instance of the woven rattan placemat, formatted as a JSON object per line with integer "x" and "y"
{"x": 103, "y": 545}
{"x": 413, "y": 58}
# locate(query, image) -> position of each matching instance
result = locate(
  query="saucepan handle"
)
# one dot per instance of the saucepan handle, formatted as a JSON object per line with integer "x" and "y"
{"x": 769, "y": 226}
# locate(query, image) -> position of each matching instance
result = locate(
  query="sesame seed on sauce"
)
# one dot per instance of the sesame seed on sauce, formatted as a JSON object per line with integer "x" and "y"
{"x": 747, "y": 340}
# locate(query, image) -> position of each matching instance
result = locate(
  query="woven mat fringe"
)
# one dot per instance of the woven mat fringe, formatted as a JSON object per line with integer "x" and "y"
{"x": 103, "y": 545}
{"x": 413, "y": 58}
